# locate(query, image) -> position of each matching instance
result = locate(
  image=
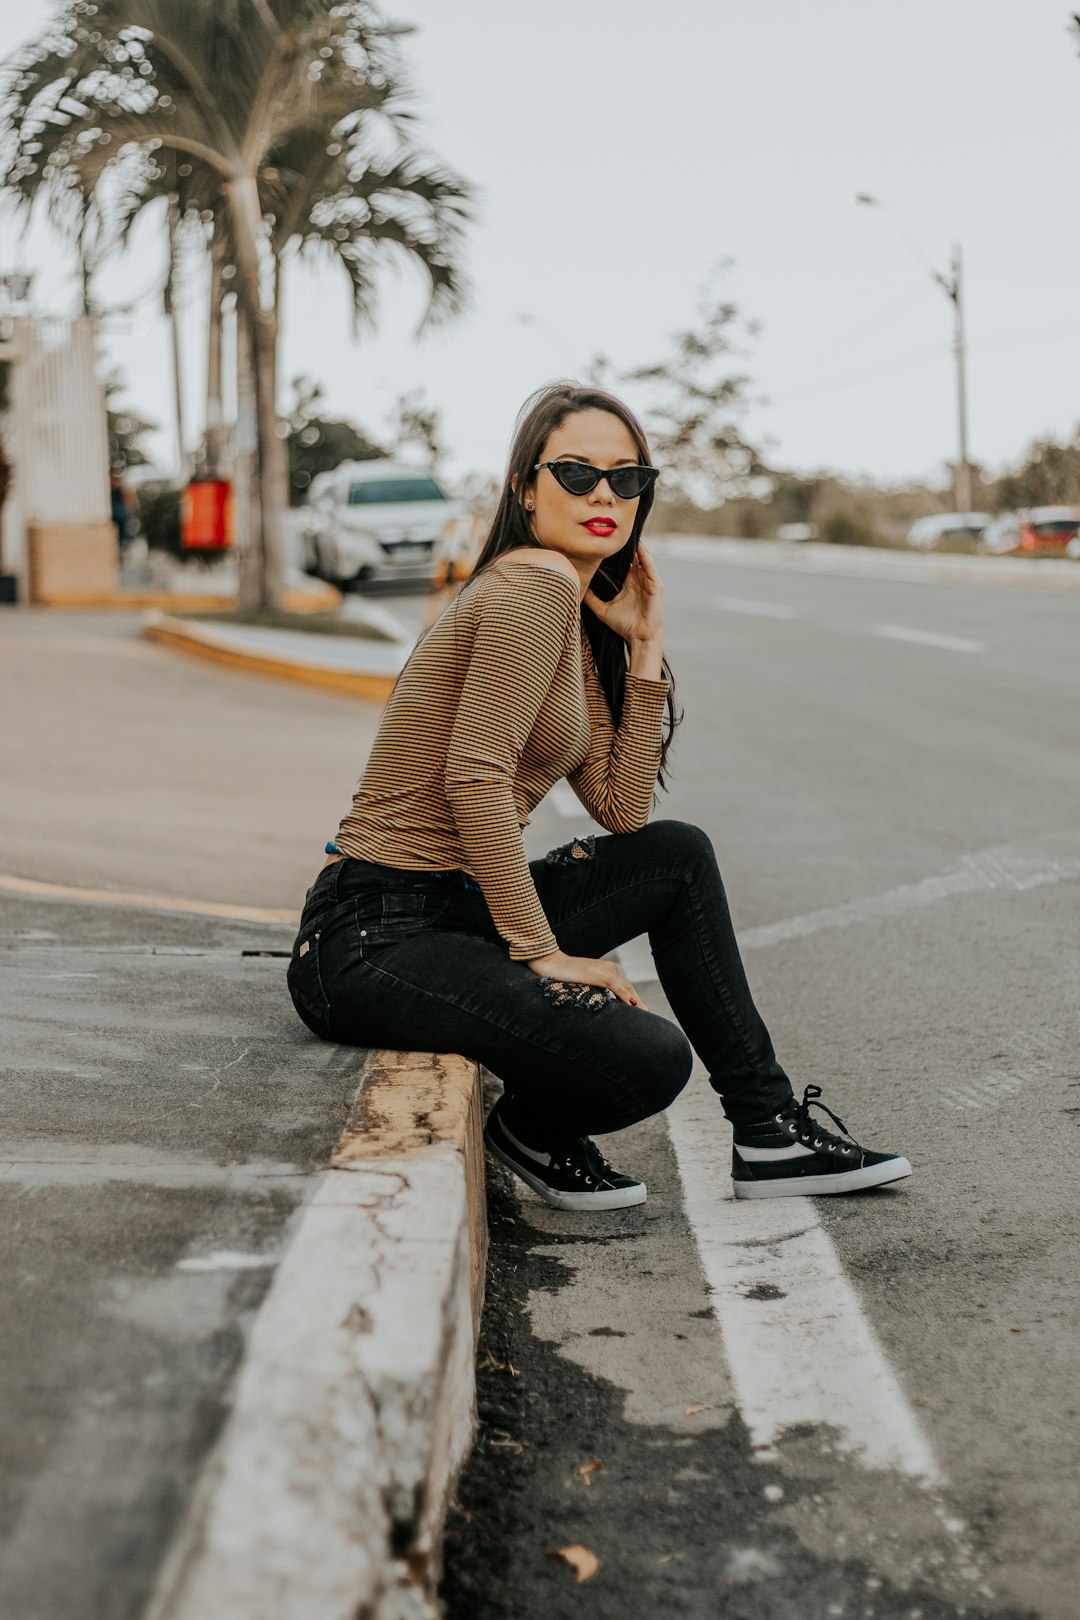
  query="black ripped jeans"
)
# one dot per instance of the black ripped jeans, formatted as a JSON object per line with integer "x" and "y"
{"x": 412, "y": 961}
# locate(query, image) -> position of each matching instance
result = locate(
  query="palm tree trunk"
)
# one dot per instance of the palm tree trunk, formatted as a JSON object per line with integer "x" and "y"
{"x": 213, "y": 453}
{"x": 243, "y": 207}
{"x": 271, "y": 461}
{"x": 281, "y": 470}
{"x": 245, "y": 489}
{"x": 174, "y": 331}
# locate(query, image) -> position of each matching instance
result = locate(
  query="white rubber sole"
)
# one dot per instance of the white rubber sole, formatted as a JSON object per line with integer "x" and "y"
{"x": 870, "y": 1175}
{"x": 614, "y": 1198}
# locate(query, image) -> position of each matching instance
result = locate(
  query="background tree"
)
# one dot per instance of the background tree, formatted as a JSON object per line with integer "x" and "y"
{"x": 1049, "y": 476}
{"x": 693, "y": 402}
{"x": 280, "y": 124}
{"x": 318, "y": 443}
{"x": 125, "y": 426}
{"x": 416, "y": 425}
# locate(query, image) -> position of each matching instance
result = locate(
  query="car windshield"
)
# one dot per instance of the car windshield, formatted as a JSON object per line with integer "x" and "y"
{"x": 1057, "y": 526}
{"x": 384, "y": 491}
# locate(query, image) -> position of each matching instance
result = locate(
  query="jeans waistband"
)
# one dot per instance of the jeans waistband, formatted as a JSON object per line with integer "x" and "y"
{"x": 451, "y": 872}
{"x": 456, "y": 872}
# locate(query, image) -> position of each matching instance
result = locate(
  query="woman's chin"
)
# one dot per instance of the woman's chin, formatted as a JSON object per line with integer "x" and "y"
{"x": 594, "y": 546}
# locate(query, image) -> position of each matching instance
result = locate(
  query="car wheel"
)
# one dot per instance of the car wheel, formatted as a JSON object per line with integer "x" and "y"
{"x": 311, "y": 557}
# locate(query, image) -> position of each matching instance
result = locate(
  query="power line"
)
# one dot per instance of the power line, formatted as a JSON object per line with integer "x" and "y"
{"x": 911, "y": 361}
{"x": 849, "y": 379}
{"x": 873, "y": 324}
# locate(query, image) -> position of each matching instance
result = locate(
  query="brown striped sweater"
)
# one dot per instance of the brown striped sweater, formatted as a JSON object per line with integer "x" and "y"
{"x": 497, "y": 703}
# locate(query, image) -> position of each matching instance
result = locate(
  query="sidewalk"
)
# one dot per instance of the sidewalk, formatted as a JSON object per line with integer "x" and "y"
{"x": 160, "y": 581}
{"x": 244, "y": 1271}
{"x": 357, "y": 666}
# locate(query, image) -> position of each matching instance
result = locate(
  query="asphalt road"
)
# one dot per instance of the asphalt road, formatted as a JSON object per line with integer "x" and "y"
{"x": 142, "y": 770}
{"x": 889, "y": 773}
{"x": 895, "y": 819}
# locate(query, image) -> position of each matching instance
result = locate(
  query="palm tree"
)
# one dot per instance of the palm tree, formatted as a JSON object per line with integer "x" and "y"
{"x": 281, "y": 124}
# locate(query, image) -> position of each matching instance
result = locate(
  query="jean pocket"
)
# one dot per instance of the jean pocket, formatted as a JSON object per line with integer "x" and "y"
{"x": 388, "y": 916}
{"x": 304, "y": 979}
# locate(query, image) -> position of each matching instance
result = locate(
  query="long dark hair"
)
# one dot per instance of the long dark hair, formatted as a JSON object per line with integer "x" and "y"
{"x": 537, "y": 420}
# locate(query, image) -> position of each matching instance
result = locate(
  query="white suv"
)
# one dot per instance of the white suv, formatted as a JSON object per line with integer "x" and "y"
{"x": 928, "y": 533}
{"x": 375, "y": 520}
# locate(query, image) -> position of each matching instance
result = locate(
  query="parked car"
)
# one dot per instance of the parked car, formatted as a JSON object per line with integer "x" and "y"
{"x": 370, "y": 521}
{"x": 1039, "y": 531}
{"x": 942, "y": 529}
{"x": 1046, "y": 531}
{"x": 1002, "y": 534}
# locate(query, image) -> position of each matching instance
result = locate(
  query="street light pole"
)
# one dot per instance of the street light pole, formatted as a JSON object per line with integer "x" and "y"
{"x": 953, "y": 284}
{"x": 963, "y": 469}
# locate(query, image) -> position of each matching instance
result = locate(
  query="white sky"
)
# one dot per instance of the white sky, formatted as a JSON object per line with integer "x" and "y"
{"x": 622, "y": 149}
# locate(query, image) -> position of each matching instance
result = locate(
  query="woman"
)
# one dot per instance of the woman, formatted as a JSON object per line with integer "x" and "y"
{"x": 428, "y": 930}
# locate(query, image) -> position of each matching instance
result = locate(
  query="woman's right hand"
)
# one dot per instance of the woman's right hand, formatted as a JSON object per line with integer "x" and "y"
{"x": 586, "y": 970}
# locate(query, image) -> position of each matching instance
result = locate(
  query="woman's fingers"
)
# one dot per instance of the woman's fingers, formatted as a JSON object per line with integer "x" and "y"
{"x": 587, "y": 970}
{"x": 625, "y": 990}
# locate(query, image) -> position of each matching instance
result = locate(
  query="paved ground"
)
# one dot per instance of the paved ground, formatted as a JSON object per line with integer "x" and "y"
{"x": 163, "y": 1114}
{"x": 891, "y": 815}
{"x": 889, "y": 775}
{"x": 142, "y": 769}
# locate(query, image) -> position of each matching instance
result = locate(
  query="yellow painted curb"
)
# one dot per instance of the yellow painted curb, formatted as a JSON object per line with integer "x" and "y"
{"x": 318, "y": 598}
{"x": 414, "y": 1103}
{"x": 9, "y": 884}
{"x": 353, "y": 683}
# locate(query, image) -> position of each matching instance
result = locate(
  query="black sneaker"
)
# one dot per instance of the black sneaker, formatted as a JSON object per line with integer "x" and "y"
{"x": 576, "y": 1177}
{"x": 790, "y": 1155}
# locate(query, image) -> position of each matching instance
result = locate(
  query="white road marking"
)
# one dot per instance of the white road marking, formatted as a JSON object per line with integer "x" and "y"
{"x": 798, "y": 1345}
{"x": 803, "y": 1360}
{"x": 928, "y": 638}
{"x": 566, "y": 802}
{"x": 999, "y": 868}
{"x": 761, "y": 610}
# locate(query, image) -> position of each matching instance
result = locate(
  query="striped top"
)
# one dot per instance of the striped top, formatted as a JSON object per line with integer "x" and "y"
{"x": 499, "y": 701}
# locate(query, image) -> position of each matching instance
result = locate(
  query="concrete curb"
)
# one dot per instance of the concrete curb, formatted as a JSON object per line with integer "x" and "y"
{"x": 1016, "y": 573}
{"x": 225, "y": 646}
{"x": 354, "y": 1407}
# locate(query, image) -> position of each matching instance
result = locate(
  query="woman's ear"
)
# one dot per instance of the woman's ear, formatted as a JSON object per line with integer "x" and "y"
{"x": 528, "y": 504}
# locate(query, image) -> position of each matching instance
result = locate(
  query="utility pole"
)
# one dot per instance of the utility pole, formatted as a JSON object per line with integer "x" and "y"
{"x": 954, "y": 288}
{"x": 953, "y": 284}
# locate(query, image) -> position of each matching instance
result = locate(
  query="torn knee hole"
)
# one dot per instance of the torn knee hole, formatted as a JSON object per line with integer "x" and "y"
{"x": 578, "y": 849}
{"x": 590, "y": 996}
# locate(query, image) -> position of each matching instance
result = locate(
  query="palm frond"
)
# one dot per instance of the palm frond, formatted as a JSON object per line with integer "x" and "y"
{"x": 118, "y": 106}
